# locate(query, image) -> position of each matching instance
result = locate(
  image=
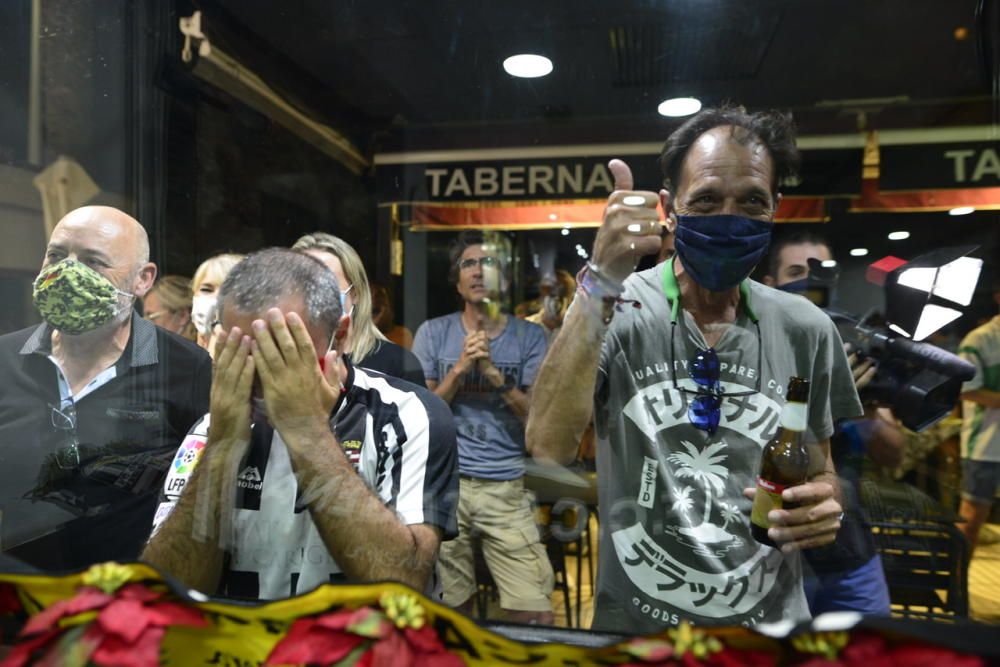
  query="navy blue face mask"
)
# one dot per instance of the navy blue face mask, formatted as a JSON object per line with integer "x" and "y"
{"x": 720, "y": 251}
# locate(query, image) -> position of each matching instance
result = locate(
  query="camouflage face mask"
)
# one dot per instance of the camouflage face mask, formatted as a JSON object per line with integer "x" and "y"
{"x": 73, "y": 298}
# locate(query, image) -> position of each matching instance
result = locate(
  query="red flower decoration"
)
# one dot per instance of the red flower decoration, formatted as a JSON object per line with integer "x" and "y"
{"x": 319, "y": 640}
{"x": 333, "y": 637}
{"x": 871, "y": 650}
{"x": 9, "y": 602}
{"x": 127, "y": 632}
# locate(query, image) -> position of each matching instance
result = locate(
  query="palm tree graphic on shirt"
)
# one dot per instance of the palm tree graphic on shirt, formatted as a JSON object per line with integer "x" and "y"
{"x": 704, "y": 468}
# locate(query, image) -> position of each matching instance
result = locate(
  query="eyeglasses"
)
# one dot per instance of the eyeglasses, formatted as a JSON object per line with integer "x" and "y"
{"x": 155, "y": 315}
{"x": 706, "y": 406}
{"x": 485, "y": 262}
{"x": 64, "y": 419}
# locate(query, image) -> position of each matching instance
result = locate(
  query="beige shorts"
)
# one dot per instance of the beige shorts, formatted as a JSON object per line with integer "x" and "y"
{"x": 500, "y": 513}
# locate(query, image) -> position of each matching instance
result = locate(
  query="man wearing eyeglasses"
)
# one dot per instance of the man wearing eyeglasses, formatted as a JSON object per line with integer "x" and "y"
{"x": 483, "y": 363}
{"x": 684, "y": 369}
{"x": 94, "y": 401}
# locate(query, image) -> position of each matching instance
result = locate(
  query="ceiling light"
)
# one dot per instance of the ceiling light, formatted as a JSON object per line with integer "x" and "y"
{"x": 527, "y": 66}
{"x": 679, "y": 106}
{"x": 899, "y": 236}
{"x": 565, "y": 232}
{"x": 859, "y": 252}
{"x": 828, "y": 263}
{"x": 962, "y": 210}
{"x": 553, "y": 216}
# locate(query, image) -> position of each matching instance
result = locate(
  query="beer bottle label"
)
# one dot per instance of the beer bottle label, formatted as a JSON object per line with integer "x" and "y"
{"x": 768, "y": 498}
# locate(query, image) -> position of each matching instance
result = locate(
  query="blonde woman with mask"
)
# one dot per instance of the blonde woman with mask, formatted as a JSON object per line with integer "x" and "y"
{"x": 205, "y": 285}
{"x": 366, "y": 345}
{"x": 168, "y": 306}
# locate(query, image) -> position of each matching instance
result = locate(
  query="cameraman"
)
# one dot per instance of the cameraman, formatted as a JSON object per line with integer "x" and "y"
{"x": 846, "y": 575}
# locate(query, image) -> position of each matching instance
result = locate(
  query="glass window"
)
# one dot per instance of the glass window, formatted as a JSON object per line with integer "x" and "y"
{"x": 432, "y": 189}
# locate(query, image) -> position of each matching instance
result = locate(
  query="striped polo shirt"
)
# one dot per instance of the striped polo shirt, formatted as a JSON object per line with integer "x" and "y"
{"x": 399, "y": 437}
{"x": 981, "y": 425}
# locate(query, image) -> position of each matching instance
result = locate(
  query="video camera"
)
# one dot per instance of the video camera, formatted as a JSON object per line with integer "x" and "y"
{"x": 920, "y": 382}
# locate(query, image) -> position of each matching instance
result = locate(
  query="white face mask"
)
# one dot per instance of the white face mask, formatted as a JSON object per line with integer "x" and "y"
{"x": 203, "y": 313}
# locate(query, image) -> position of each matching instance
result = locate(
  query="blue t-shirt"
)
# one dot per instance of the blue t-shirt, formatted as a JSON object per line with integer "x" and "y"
{"x": 490, "y": 435}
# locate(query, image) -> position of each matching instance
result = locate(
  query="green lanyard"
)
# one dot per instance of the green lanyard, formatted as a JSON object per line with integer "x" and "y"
{"x": 673, "y": 293}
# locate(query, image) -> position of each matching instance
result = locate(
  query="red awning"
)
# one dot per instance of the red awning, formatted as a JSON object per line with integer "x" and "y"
{"x": 871, "y": 200}
{"x": 559, "y": 215}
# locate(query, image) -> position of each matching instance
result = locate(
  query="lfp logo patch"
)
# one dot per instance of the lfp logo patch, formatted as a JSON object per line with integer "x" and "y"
{"x": 188, "y": 456}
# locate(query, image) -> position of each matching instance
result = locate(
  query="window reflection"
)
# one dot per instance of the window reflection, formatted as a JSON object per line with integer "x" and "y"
{"x": 459, "y": 210}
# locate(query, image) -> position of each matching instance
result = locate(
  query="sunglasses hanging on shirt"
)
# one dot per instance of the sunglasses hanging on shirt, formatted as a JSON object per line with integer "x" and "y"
{"x": 705, "y": 408}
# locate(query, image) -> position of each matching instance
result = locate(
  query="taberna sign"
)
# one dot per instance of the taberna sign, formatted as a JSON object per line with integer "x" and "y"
{"x": 538, "y": 179}
{"x": 940, "y": 166}
{"x": 579, "y": 179}
{"x": 406, "y": 178}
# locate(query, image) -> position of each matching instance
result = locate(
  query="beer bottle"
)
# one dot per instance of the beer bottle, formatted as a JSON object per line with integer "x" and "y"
{"x": 784, "y": 461}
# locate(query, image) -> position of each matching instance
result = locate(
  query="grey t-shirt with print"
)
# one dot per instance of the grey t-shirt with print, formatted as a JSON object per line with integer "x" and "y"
{"x": 675, "y": 531}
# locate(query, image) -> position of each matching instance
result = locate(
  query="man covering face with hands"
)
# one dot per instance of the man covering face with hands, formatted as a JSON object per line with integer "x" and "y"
{"x": 307, "y": 469}
{"x": 679, "y": 440}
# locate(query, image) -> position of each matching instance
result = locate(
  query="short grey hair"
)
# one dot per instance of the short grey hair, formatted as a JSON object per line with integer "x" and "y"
{"x": 267, "y": 276}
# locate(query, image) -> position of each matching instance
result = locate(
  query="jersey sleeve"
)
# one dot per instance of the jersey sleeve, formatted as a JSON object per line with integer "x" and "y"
{"x": 181, "y": 467}
{"x": 428, "y": 481}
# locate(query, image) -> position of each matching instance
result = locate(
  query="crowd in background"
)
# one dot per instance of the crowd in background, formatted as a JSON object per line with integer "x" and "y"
{"x": 277, "y": 428}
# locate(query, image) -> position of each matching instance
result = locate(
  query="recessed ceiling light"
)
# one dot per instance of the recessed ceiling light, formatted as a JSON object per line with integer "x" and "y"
{"x": 553, "y": 216}
{"x": 962, "y": 210}
{"x": 899, "y": 236}
{"x": 679, "y": 106}
{"x": 527, "y": 66}
{"x": 859, "y": 252}
{"x": 565, "y": 232}
{"x": 828, "y": 263}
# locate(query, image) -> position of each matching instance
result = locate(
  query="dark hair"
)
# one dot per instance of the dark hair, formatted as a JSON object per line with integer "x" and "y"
{"x": 469, "y": 237}
{"x": 773, "y": 129}
{"x": 782, "y": 242}
{"x": 267, "y": 276}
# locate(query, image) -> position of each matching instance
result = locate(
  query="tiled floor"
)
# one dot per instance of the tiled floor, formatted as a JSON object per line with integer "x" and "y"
{"x": 984, "y": 577}
{"x": 984, "y": 583}
{"x": 586, "y": 592}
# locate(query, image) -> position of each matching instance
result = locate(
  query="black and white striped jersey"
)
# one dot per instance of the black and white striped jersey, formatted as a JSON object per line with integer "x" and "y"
{"x": 400, "y": 439}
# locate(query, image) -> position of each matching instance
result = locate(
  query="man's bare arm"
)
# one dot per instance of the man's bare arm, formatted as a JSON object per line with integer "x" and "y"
{"x": 190, "y": 543}
{"x": 448, "y": 386}
{"x": 519, "y": 402}
{"x": 366, "y": 538}
{"x": 984, "y": 397}
{"x": 563, "y": 393}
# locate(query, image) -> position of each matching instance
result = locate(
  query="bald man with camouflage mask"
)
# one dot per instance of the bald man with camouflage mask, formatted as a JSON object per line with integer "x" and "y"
{"x": 95, "y": 400}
